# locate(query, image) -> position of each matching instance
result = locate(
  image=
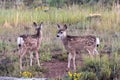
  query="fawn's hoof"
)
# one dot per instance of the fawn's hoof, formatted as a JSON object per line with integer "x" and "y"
{"x": 67, "y": 69}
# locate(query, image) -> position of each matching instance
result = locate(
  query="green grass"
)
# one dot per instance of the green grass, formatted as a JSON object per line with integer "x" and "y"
{"x": 74, "y": 14}
{"x": 68, "y": 15}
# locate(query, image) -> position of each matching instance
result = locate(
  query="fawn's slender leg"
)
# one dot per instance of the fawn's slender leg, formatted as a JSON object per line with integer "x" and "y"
{"x": 96, "y": 52}
{"x": 90, "y": 52}
{"x": 74, "y": 65}
{"x": 23, "y": 51}
{"x": 37, "y": 58}
{"x": 69, "y": 59}
{"x": 31, "y": 57}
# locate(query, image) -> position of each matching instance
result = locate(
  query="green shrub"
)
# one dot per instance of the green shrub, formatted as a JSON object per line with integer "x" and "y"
{"x": 101, "y": 68}
{"x": 88, "y": 76}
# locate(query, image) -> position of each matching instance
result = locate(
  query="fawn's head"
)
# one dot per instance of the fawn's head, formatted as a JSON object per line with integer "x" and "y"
{"x": 38, "y": 27}
{"x": 61, "y": 31}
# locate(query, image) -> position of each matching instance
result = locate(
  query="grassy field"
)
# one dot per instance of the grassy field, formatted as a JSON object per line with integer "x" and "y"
{"x": 15, "y": 22}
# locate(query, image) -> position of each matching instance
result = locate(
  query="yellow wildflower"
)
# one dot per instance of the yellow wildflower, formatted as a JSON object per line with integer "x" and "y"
{"x": 75, "y": 78}
{"x": 75, "y": 74}
{"x": 69, "y": 74}
{"x": 78, "y": 75}
{"x": 26, "y": 74}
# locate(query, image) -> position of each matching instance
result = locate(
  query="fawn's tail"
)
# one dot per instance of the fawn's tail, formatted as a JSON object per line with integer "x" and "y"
{"x": 20, "y": 41}
{"x": 97, "y": 41}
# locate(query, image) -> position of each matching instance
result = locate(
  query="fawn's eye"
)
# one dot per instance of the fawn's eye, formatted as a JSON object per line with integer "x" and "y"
{"x": 61, "y": 32}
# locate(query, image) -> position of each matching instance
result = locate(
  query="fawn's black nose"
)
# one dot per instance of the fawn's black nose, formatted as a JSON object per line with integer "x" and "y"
{"x": 57, "y": 35}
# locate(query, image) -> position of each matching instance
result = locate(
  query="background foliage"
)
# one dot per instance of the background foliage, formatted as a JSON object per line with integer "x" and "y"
{"x": 55, "y": 3}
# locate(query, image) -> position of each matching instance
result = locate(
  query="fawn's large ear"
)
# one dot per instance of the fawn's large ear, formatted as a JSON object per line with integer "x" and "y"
{"x": 35, "y": 24}
{"x": 41, "y": 25}
{"x": 65, "y": 26}
{"x": 58, "y": 26}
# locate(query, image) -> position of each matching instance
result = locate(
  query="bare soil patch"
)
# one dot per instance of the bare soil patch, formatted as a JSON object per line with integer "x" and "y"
{"x": 57, "y": 68}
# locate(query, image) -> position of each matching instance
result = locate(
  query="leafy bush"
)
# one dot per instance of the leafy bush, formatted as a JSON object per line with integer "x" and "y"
{"x": 88, "y": 76}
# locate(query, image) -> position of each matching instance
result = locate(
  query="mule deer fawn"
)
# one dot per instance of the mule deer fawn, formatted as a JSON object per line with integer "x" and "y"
{"x": 30, "y": 43}
{"x": 75, "y": 43}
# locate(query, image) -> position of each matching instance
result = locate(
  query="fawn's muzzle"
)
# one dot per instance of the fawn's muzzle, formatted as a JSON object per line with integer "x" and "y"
{"x": 58, "y": 36}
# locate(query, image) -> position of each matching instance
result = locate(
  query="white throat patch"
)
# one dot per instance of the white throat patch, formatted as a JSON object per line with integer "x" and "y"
{"x": 63, "y": 35}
